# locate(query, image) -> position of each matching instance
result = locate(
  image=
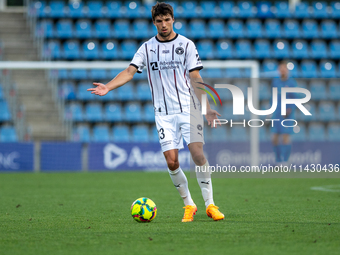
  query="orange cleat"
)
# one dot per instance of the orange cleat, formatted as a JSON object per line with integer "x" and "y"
{"x": 190, "y": 211}
{"x": 214, "y": 213}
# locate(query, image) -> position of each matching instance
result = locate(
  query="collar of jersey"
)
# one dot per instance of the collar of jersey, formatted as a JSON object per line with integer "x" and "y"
{"x": 168, "y": 40}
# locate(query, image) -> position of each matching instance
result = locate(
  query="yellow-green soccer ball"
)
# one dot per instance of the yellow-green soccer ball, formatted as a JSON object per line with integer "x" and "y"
{"x": 143, "y": 210}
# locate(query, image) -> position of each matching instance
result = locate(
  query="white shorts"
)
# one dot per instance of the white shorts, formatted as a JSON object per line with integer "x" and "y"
{"x": 173, "y": 128}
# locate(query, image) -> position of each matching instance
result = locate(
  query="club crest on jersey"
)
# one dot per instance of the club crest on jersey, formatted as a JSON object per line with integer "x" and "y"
{"x": 154, "y": 66}
{"x": 199, "y": 127}
{"x": 179, "y": 50}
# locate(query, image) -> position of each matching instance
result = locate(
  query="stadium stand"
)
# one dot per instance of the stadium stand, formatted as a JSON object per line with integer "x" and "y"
{"x": 267, "y": 31}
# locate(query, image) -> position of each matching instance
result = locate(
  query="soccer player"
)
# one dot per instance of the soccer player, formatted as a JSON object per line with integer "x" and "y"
{"x": 173, "y": 65}
{"x": 283, "y": 150}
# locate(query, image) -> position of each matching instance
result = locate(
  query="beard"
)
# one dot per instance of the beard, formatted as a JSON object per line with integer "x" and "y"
{"x": 165, "y": 35}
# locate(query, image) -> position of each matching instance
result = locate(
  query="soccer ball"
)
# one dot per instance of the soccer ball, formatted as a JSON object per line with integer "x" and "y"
{"x": 143, "y": 209}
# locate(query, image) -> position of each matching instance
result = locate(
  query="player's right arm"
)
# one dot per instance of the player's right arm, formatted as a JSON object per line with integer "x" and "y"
{"x": 122, "y": 78}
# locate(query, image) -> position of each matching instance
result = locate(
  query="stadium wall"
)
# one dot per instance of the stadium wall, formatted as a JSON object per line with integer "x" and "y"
{"x": 51, "y": 157}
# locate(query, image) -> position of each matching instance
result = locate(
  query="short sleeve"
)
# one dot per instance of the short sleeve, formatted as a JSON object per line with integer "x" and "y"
{"x": 193, "y": 61}
{"x": 139, "y": 59}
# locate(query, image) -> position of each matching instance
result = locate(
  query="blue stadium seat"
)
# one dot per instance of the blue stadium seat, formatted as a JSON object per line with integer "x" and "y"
{"x": 333, "y": 132}
{"x": 262, "y": 49}
{"x": 300, "y": 133}
{"x": 76, "y": 9}
{"x": 67, "y": 90}
{"x": 94, "y": 9}
{"x": 328, "y": 69}
{"x": 132, "y": 9}
{"x": 300, "y": 49}
{"x": 326, "y": 111}
{"x": 113, "y": 9}
{"x": 246, "y": 9}
{"x": 293, "y": 68}
{"x": 281, "y": 10}
{"x": 224, "y": 49}
{"x": 140, "y": 29}
{"x": 180, "y": 27}
{"x": 52, "y": 49}
{"x": 71, "y": 49}
{"x": 145, "y": 10}
{"x": 329, "y": 29}
{"x": 206, "y": 49}
{"x": 265, "y": 91}
{"x": 91, "y": 50}
{"x": 309, "y": 69}
{"x": 219, "y": 134}
{"x": 153, "y": 135}
{"x": 45, "y": 28}
{"x": 334, "y": 49}
{"x": 140, "y": 133}
{"x": 235, "y": 29}
{"x": 227, "y": 9}
{"x": 208, "y": 9}
{"x": 83, "y": 94}
{"x": 310, "y": 106}
{"x": 126, "y": 92}
{"x": 310, "y": 29}
{"x": 102, "y": 29}
{"x": 197, "y": 29}
{"x": 335, "y": 6}
{"x": 8, "y": 134}
{"x": 74, "y": 111}
{"x": 1, "y": 93}
{"x": 37, "y": 9}
{"x": 254, "y": 28}
{"x": 81, "y": 133}
{"x": 239, "y": 134}
{"x": 64, "y": 29}
{"x": 56, "y": 9}
{"x": 83, "y": 29}
{"x": 98, "y": 74}
{"x": 121, "y": 29}
{"x": 143, "y": 92}
{"x": 62, "y": 74}
{"x": 110, "y": 49}
{"x": 113, "y": 112}
{"x": 128, "y": 49}
{"x": 301, "y": 10}
{"x": 269, "y": 68}
{"x": 272, "y": 28}
{"x": 281, "y": 49}
{"x": 291, "y": 29}
{"x": 216, "y": 28}
{"x": 320, "y": 10}
{"x": 133, "y": 112}
{"x": 243, "y": 49}
{"x": 100, "y": 133}
{"x": 264, "y": 9}
{"x": 94, "y": 112}
{"x": 78, "y": 74}
{"x": 319, "y": 49}
{"x": 5, "y": 114}
{"x": 121, "y": 133}
{"x": 318, "y": 90}
{"x": 213, "y": 73}
{"x": 317, "y": 132}
{"x": 334, "y": 90}
{"x": 187, "y": 9}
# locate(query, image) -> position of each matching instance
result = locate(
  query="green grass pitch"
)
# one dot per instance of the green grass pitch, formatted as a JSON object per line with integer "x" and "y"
{"x": 89, "y": 213}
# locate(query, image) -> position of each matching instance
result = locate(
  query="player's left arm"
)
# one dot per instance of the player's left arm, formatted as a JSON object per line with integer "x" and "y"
{"x": 196, "y": 82}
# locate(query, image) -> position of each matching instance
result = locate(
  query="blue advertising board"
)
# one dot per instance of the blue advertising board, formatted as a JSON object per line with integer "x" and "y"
{"x": 15, "y": 157}
{"x": 61, "y": 156}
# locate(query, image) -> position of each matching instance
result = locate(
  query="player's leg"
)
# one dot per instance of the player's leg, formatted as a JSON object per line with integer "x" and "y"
{"x": 277, "y": 147}
{"x": 286, "y": 147}
{"x": 171, "y": 141}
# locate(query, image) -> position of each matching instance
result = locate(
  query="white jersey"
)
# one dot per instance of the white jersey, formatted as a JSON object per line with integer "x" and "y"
{"x": 168, "y": 65}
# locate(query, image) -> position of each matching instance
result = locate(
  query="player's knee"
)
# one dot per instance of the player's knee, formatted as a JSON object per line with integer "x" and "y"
{"x": 199, "y": 159}
{"x": 173, "y": 164}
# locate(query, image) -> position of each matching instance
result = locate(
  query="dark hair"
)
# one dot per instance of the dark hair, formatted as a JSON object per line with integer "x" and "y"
{"x": 161, "y": 9}
{"x": 283, "y": 62}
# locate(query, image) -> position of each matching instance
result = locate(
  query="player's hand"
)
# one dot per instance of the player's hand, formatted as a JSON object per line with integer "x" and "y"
{"x": 100, "y": 89}
{"x": 211, "y": 116}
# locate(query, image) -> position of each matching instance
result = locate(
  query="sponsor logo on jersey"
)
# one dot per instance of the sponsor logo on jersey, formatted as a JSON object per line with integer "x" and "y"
{"x": 154, "y": 66}
{"x": 179, "y": 50}
{"x": 165, "y": 65}
{"x": 166, "y": 51}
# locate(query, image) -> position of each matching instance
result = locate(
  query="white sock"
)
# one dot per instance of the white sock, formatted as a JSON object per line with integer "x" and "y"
{"x": 181, "y": 183}
{"x": 204, "y": 180}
